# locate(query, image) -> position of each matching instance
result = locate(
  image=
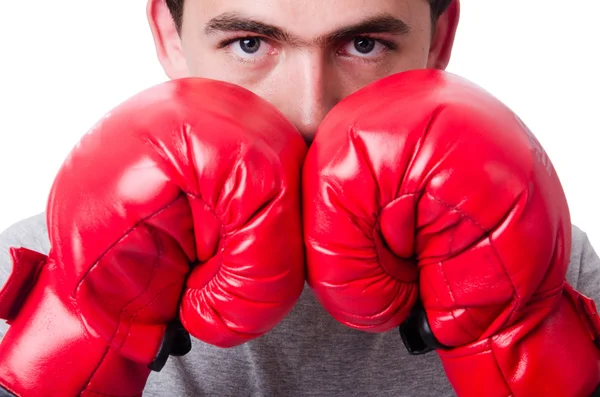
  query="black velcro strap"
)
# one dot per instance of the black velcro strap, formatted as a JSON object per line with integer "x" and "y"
{"x": 176, "y": 342}
{"x": 416, "y": 333}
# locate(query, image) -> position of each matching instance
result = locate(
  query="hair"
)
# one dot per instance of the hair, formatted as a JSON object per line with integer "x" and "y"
{"x": 176, "y": 8}
{"x": 438, "y": 7}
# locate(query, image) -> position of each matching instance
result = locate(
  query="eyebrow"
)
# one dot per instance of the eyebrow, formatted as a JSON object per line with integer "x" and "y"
{"x": 235, "y": 22}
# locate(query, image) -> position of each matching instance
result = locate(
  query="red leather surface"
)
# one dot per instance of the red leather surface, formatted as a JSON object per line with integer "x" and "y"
{"x": 425, "y": 185}
{"x": 183, "y": 201}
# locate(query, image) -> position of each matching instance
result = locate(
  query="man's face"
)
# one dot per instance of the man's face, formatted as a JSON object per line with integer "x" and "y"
{"x": 304, "y": 56}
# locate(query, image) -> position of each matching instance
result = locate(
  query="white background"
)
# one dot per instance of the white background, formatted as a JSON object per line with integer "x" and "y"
{"x": 64, "y": 63}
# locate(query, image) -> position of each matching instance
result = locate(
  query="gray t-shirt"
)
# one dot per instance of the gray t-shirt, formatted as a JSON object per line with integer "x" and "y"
{"x": 308, "y": 353}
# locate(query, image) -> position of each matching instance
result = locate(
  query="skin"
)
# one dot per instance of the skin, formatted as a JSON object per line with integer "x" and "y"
{"x": 303, "y": 56}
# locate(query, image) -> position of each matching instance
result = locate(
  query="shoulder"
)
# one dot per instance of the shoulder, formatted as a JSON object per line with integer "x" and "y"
{"x": 584, "y": 268}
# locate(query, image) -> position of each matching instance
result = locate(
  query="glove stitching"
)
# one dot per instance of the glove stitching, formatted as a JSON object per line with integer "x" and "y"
{"x": 128, "y": 322}
{"x": 463, "y": 215}
{"x": 486, "y": 235}
{"x": 96, "y": 264}
{"x": 89, "y": 381}
{"x": 458, "y": 323}
{"x": 109, "y": 342}
{"x": 468, "y": 218}
{"x": 123, "y": 342}
{"x": 443, "y": 269}
{"x": 544, "y": 295}
{"x": 502, "y": 375}
{"x": 513, "y": 285}
{"x": 137, "y": 312}
{"x": 468, "y": 312}
{"x": 129, "y": 319}
{"x": 503, "y": 266}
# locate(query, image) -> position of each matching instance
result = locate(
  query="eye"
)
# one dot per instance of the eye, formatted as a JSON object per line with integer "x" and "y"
{"x": 250, "y": 47}
{"x": 364, "y": 47}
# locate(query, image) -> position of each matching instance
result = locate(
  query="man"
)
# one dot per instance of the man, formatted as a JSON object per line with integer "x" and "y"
{"x": 304, "y": 57}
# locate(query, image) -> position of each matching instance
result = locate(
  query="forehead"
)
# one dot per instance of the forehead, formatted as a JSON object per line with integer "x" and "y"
{"x": 310, "y": 18}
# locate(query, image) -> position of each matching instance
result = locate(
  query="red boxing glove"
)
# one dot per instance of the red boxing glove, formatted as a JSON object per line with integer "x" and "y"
{"x": 182, "y": 202}
{"x": 424, "y": 185}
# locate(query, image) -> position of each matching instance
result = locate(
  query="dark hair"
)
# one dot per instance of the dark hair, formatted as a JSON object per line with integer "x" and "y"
{"x": 176, "y": 7}
{"x": 438, "y": 7}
